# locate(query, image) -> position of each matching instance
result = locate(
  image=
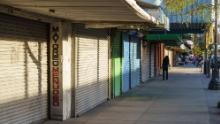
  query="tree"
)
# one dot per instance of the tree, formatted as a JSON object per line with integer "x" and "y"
{"x": 197, "y": 51}
{"x": 205, "y": 10}
{"x": 179, "y": 7}
{"x": 198, "y": 45}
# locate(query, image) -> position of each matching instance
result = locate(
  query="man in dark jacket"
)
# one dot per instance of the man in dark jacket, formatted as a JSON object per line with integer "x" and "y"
{"x": 165, "y": 67}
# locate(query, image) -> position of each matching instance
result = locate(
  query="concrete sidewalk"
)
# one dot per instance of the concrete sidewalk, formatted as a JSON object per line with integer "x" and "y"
{"x": 183, "y": 99}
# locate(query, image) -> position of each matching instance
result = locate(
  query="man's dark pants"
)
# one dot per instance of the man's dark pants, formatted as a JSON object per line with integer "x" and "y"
{"x": 165, "y": 73}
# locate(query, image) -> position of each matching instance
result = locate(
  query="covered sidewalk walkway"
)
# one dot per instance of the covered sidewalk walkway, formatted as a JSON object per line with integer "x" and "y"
{"x": 183, "y": 99}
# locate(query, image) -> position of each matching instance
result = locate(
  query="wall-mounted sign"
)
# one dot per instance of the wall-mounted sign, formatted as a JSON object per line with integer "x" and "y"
{"x": 55, "y": 71}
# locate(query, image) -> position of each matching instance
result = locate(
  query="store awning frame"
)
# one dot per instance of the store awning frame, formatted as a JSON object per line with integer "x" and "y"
{"x": 112, "y": 12}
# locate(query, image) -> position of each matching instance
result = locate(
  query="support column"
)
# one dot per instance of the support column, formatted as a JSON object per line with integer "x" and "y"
{"x": 60, "y": 70}
{"x": 214, "y": 83}
{"x": 205, "y": 56}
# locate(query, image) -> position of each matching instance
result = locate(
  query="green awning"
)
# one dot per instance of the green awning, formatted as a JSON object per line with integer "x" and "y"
{"x": 163, "y": 37}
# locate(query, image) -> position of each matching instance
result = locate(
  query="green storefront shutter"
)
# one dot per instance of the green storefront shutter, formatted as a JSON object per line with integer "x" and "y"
{"x": 116, "y": 64}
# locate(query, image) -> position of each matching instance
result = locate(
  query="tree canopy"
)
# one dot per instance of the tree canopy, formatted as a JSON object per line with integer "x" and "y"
{"x": 177, "y": 5}
{"x": 186, "y": 9}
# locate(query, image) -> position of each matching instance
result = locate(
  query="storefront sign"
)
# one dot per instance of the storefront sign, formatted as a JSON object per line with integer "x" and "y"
{"x": 55, "y": 66}
{"x": 55, "y": 70}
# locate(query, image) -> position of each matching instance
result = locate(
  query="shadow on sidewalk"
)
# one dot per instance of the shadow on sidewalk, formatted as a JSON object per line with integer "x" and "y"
{"x": 213, "y": 97}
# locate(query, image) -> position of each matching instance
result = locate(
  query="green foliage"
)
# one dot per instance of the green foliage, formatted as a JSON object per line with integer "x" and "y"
{"x": 203, "y": 10}
{"x": 197, "y": 51}
{"x": 177, "y": 5}
{"x": 199, "y": 45}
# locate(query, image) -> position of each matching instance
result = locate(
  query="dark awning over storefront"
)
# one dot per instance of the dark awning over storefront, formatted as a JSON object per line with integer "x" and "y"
{"x": 167, "y": 39}
{"x": 163, "y": 37}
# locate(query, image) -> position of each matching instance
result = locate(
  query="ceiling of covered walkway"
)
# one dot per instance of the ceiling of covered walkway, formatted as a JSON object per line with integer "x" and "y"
{"x": 105, "y": 11}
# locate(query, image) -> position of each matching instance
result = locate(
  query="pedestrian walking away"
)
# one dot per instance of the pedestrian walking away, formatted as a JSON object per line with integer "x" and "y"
{"x": 165, "y": 67}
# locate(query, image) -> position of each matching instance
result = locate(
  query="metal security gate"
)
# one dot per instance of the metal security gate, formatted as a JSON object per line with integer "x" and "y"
{"x": 126, "y": 63}
{"x": 145, "y": 61}
{"x": 157, "y": 59}
{"x": 24, "y": 70}
{"x": 116, "y": 64}
{"x": 91, "y": 86}
{"x": 135, "y": 60}
{"x": 152, "y": 60}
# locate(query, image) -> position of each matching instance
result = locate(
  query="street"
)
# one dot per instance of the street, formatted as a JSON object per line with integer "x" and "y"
{"x": 183, "y": 99}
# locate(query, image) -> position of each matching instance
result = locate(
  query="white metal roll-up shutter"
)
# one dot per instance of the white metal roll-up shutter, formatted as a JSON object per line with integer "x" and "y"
{"x": 24, "y": 70}
{"x": 148, "y": 60}
{"x": 152, "y": 63}
{"x": 103, "y": 67}
{"x": 92, "y": 70}
{"x": 145, "y": 62}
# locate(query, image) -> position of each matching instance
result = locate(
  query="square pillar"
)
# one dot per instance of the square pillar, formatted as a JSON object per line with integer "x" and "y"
{"x": 60, "y": 70}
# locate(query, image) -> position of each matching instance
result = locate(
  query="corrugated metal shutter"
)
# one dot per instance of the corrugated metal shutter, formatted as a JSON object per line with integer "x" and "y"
{"x": 152, "y": 60}
{"x": 92, "y": 69}
{"x": 135, "y": 61}
{"x": 145, "y": 62}
{"x": 103, "y": 66}
{"x": 24, "y": 70}
{"x": 157, "y": 59}
{"x": 116, "y": 64}
{"x": 138, "y": 61}
{"x": 126, "y": 63}
{"x": 149, "y": 60}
